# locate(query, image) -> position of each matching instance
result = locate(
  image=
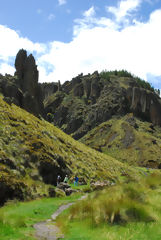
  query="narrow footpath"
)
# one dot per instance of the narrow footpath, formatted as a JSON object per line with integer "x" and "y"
{"x": 48, "y": 230}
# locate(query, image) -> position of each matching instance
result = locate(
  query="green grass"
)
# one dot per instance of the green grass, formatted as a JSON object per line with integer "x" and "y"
{"x": 135, "y": 205}
{"x": 82, "y": 188}
{"x": 137, "y": 146}
{"x": 17, "y": 218}
{"x": 132, "y": 231}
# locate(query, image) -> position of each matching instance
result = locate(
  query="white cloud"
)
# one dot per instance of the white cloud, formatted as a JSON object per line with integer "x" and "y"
{"x": 62, "y": 2}
{"x": 51, "y": 17}
{"x": 124, "y": 8}
{"x": 6, "y": 68}
{"x": 90, "y": 12}
{"x": 135, "y": 48}
{"x": 97, "y": 44}
{"x": 11, "y": 42}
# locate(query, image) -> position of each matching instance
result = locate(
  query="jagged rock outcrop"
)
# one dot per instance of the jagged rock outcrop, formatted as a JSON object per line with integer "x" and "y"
{"x": 86, "y": 101}
{"x": 81, "y": 104}
{"x": 27, "y": 73}
{"x": 145, "y": 104}
{"x": 48, "y": 89}
{"x": 23, "y": 89}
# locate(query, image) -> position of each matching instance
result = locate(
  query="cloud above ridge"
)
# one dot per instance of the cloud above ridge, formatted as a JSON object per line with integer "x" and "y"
{"x": 98, "y": 43}
{"x": 10, "y": 43}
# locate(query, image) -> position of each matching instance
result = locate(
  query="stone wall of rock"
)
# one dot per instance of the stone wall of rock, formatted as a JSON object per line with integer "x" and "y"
{"x": 145, "y": 104}
{"x": 87, "y": 101}
{"x": 49, "y": 88}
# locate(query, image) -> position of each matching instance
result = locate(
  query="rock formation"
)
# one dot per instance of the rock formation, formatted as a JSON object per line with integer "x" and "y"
{"x": 87, "y": 101}
{"x": 23, "y": 89}
{"x": 145, "y": 104}
{"x": 27, "y": 73}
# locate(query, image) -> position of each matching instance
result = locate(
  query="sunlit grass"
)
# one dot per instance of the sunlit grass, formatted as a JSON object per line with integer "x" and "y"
{"x": 17, "y": 218}
{"x": 35, "y": 143}
{"x": 129, "y": 211}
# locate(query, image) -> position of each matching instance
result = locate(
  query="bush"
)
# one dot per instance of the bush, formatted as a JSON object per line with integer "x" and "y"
{"x": 123, "y": 73}
{"x": 153, "y": 180}
{"x": 144, "y": 84}
{"x": 117, "y": 204}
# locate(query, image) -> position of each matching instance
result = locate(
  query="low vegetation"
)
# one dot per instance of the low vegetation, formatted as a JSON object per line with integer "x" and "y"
{"x": 17, "y": 218}
{"x": 126, "y": 211}
{"x": 129, "y": 140}
{"x": 123, "y": 73}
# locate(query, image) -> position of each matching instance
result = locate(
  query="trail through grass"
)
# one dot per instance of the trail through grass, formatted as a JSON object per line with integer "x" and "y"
{"x": 17, "y": 219}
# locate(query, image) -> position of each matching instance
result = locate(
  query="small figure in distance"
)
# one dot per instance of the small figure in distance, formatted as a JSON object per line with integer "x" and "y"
{"x": 58, "y": 180}
{"x": 66, "y": 179}
{"x": 76, "y": 181}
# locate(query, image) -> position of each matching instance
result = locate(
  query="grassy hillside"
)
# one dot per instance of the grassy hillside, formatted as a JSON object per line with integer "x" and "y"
{"x": 129, "y": 140}
{"x": 33, "y": 152}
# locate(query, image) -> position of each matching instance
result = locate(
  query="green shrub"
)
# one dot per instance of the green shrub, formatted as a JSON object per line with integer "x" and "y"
{"x": 117, "y": 204}
{"x": 144, "y": 84}
{"x": 153, "y": 180}
{"x": 123, "y": 73}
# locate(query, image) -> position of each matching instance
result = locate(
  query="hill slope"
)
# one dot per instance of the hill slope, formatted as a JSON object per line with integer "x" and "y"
{"x": 33, "y": 152}
{"x": 129, "y": 140}
{"x": 85, "y": 102}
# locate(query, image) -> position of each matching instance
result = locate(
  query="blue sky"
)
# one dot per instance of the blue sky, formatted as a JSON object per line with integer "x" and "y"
{"x": 69, "y": 37}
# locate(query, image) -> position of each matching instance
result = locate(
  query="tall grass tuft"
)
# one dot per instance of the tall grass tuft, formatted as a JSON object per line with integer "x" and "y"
{"x": 153, "y": 180}
{"x": 118, "y": 204}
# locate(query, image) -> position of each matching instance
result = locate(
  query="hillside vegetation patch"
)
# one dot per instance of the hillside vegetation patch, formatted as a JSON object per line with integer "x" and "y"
{"x": 127, "y": 211}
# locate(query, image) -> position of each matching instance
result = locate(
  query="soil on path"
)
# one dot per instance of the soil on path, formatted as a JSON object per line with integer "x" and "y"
{"x": 48, "y": 230}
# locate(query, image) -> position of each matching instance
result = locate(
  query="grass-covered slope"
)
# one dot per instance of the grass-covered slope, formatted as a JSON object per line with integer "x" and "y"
{"x": 129, "y": 140}
{"x": 33, "y": 151}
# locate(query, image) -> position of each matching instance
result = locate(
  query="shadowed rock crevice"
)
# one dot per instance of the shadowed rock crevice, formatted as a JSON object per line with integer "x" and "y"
{"x": 49, "y": 172}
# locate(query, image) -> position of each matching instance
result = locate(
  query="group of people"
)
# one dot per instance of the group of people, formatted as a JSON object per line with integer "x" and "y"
{"x": 66, "y": 179}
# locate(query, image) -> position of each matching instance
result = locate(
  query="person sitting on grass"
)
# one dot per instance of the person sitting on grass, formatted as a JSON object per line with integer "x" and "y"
{"x": 76, "y": 181}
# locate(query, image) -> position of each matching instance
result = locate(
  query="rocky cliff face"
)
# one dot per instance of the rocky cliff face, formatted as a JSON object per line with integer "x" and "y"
{"x": 145, "y": 104}
{"x": 48, "y": 89}
{"x": 23, "y": 89}
{"x": 81, "y": 104}
{"x": 86, "y": 101}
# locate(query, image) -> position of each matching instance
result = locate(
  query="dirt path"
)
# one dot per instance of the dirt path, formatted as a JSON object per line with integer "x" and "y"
{"x": 48, "y": 230}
